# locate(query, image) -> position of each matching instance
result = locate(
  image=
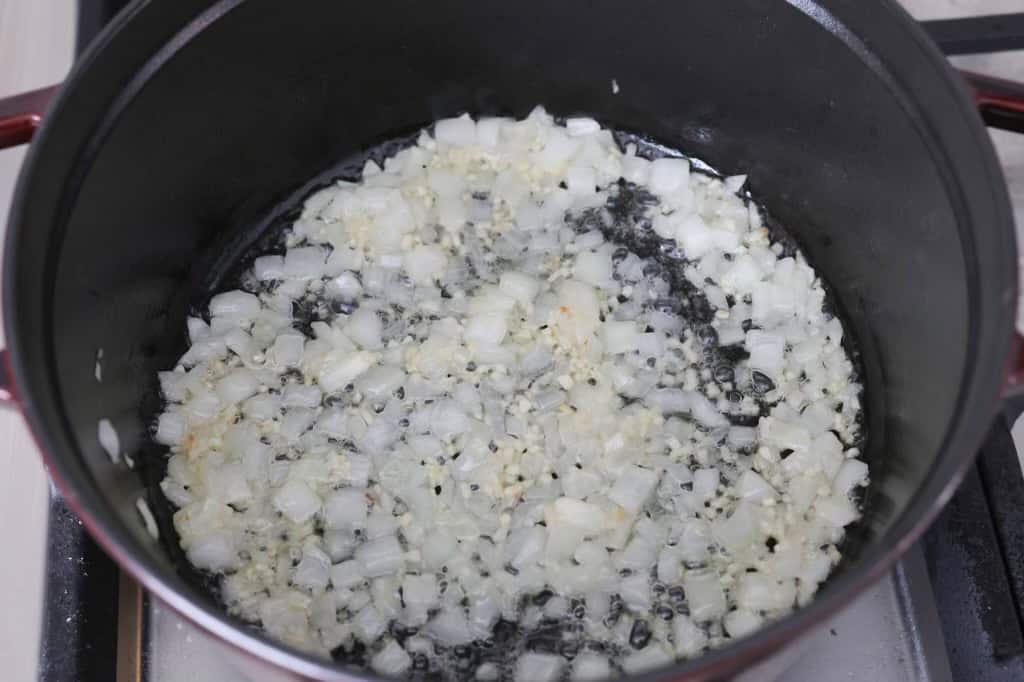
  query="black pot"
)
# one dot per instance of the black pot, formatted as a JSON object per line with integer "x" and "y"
{"x": 190, "y": 124}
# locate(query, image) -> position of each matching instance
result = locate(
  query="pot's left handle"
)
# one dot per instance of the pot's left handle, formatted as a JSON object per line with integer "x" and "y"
{"x": 6, "y": 379}
{"x": 21, "y": 115}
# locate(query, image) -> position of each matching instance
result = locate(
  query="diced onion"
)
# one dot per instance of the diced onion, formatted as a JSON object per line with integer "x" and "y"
{"x": 463, "y": 393}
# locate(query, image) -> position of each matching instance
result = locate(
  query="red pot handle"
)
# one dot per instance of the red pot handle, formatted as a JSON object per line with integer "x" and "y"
{"x": 22, "y": 114}
{"x": 1000, "y": 102}
{"x": 6, "y": 383}
{"x": 1015, "y": 368}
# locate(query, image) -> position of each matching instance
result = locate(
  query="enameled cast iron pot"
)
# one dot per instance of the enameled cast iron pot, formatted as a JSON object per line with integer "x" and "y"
{"x": 189, "y": 124}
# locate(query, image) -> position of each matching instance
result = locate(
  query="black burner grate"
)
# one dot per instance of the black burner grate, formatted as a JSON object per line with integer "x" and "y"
{"x": 975, "y": 555}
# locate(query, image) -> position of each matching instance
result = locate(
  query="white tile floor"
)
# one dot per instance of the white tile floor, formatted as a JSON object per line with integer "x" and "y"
{"x": 36, "y": 38}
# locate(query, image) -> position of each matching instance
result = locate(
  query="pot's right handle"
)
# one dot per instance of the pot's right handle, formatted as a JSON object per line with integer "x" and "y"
{"x": 1001, "y": 105}
{"x": 1013, "y": 387}
{"x": 1000, "y": 102}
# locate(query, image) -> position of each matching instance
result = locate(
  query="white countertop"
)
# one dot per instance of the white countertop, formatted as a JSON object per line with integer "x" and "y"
{"x": 36, "y": 47}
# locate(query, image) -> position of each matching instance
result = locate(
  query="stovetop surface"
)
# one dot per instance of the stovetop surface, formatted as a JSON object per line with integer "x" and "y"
{"x": 949, "y": 611}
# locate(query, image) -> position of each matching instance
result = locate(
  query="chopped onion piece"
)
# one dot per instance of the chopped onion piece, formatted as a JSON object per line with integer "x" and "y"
{"x": 345, "y": 509}
{"x": 382, "y": 556}
{"x": 341, "y": 368}
{"x": 633, "y": 487}
{"x": 704, "y": 595}
{"x": 392, "y": 660}
{"x": 296, "y": 501}
{"x": 532, "y": 667}
{"x": 109, "y": 440}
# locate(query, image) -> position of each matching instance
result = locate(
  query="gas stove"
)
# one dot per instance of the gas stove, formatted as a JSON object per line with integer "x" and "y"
{"x": 952, "y": 608}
